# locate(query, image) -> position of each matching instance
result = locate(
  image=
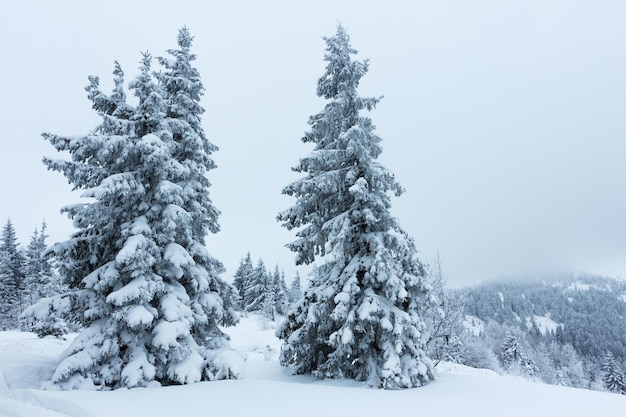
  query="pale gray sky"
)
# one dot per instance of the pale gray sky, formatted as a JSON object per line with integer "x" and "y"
{"x": 503, "y": 120}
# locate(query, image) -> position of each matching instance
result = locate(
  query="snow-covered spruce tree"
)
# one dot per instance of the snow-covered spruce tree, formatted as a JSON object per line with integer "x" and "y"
{"x": 182, "y": 90}
{"x": 513, "y": 357}
{"x": 38, "y": 273}
{"x": 280, "y": 291}
{"x": 259, "y": 295}
{"x": 612, "y": 375}
{"x": 361, "y": 316}
{"x": 138, "y": 265}
{"x": 242, "y": 278}
{"x": 42, "y": 281}
{"x": 12, "y": 263}
{"x": 295, "y": 290}
{"x": 267, "y": 308}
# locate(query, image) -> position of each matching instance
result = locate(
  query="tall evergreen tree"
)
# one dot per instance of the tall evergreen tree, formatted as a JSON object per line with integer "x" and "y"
{"x": 183, "y": 90}
{"x": 138, "y": 264}
{"x": 361, "y": 317}
{"x": 12, "y": 263}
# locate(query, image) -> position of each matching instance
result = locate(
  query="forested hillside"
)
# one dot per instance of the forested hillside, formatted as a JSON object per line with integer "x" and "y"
{"x": 567, "y": 330}
{"x": 588, "y": 310}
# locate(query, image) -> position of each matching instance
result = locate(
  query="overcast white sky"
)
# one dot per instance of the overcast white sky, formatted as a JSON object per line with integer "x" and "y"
{"x": 504, "y": 120}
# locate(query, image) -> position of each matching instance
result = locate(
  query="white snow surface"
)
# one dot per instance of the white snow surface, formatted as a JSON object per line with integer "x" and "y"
{"x": 267, "y": 389}
{"x": 473, "y": 325}
{"x": 545, "y": 324}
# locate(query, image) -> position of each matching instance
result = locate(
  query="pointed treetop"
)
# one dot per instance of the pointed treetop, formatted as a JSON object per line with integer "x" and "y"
{"x": 146, "y": 62}
{"x": 339, "y": 45}
{"x": 118, "y": 96}
{"x": 8, "y": 234}
{"x": 184, "y": 39}
{"x": 342, "y": 74}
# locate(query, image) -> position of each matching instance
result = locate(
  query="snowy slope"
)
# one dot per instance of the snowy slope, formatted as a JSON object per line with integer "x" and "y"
{"x": 267, "y": 390}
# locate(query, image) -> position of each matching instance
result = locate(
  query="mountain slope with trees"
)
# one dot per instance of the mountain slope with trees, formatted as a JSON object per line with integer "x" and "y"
{"x": 568, "y": 330}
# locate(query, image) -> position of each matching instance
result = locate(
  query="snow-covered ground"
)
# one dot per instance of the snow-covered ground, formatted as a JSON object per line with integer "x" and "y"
{"x": 266, "y": 389}
{"x": 473, "y": 325}
{"x": 545, "y": 324}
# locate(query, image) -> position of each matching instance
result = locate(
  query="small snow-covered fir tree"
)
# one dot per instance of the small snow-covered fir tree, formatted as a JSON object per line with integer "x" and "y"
{"x": 12, "y": 263}
{"x": 37, "y": 269}
{"x": 295, "y": 289}
{"x": 510, "y": 351}
{"x": 39, "y": 276}
{"x": 138, "y": 266}
{"x": 259, "y": 294}
{"x": 612, "y": 375}
{"x": 362, "y": 315}
{"x": 267, "y": 307}
{"x": 42, "y": 281}
{"x": 280, "y": 291}
{"x": 513, "y": 357}
{"x": 242, "y": 278}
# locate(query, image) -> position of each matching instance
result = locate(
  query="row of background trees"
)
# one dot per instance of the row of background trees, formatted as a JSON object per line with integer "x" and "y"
{"x": 261, "y": 290}
{"x": 26, "y": 276}
{"x": 498, "y": 342}
{"x": 501, "y": 325}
